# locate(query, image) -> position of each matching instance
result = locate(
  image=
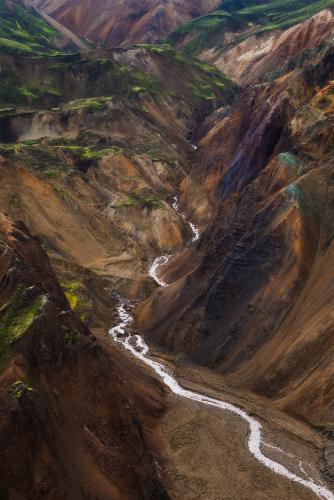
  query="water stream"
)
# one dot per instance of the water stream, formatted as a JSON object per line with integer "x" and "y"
{"x": 140, "y": 350}
{"x": 163, "y": 259}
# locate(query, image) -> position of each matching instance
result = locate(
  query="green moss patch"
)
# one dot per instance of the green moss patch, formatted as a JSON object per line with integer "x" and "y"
{"x": 25, "y": 33}
{"x": 209, "y": 82}
{"x": 75, "y": 292}
{"x": 19, "y": 388}
{"x": 85, "y": 153}
{"x": 53, "y": 160}
{"x": 291, "y": 161}
{"x": 91, "y": 104}
{"x": 208, "y": 31}
{"x": 140, "y": 199}
{"x": 13, "y": 90}
{"x": 205, "y": 31}
{"x": 36, "y": 157}
{"x": 303, "y": 201}
{"x": 16, "y": 317}
{"x": 15, "y": 202}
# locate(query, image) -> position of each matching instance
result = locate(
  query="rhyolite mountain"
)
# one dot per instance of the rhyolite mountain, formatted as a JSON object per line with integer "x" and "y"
{"x": 23, "y": 30}
{"x": 71, "y": 412}
{"x": 96, "y": 138}
{"x": 253, "y": 300}
{"x": 124, "y": 22}
{"x": 251, "y": 40}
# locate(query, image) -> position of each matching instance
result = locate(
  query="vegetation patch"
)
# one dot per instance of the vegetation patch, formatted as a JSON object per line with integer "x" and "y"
{"x": 291, "y": 161}
{"x": 70, "y": 337}
{"x": 276, "y": 73}
{"x": 25, "y": 33}
{"x": 16, "y": 317}
{"x": 204, "y": 91}
{"x": 56, "y": 159}
{"x": 150, "y": 151}
{"x": 140, "y": 199}
{"x": 75, "y": 292}
{"x": 7, "y": 111}
{"x": 36, "y": 157}
{"x": 19, "y": 388}
{"x": 297, "y": 194}
{"x": 208, "y": 31}
{"x": 85, "y": 156}
{"x": 15, "y": 202}
{"x": 13, "y": 90}
{"x": 91, "y": 104}
{"x": 61, "y": 192}
{"x": 211, "y": 79}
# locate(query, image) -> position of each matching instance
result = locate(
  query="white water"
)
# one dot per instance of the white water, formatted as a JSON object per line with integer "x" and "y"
{"x": 138, "y": 348}
{"x": 163, "y": 259}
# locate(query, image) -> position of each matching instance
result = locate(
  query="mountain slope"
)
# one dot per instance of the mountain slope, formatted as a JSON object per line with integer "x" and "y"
{"x": 253, "y": 300}
{"x": 246, "y": 35}
{"x": 23, "y": 31}
{"x": 122, "y": 23}
{"x": 70, "y": 413}
{"x": 96, "y": 145}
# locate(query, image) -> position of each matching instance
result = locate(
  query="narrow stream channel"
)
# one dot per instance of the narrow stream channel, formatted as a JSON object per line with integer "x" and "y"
{"x": 139, "y": 349}
{"x": 163, "y": 259}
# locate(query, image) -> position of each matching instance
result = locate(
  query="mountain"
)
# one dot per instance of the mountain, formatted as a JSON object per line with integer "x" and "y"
{"x": 258, "y": 302}
{"x": 68, "y": 437}
{"x": 23, "y": 31}
{"x": 249, "y": 40}
{"x": 124, "y": 22}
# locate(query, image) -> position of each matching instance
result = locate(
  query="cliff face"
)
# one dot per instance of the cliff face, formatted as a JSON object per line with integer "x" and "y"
{"x": 123, "y": 23}
{"x": 71, "y": 423}
{"x": 256, "y": 306}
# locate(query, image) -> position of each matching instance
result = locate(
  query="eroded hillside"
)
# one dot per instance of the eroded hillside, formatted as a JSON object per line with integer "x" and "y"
{"x": 94, "y": 151}
{"x": 124, "y": 22}
{"x": 252, "y": 41}
{"x": 256, "y": 306}
{"x": 72, "y": 419}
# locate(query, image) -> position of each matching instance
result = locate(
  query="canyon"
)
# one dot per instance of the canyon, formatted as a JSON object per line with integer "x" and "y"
{"x": 166, "y": 242}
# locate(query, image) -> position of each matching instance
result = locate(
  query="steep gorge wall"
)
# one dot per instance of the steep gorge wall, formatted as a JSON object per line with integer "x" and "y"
{"x": 70, "y": 424}
{"x": 257, "y": 306}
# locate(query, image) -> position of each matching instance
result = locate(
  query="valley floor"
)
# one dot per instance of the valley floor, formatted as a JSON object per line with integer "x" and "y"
{"x": 204, "y": 450}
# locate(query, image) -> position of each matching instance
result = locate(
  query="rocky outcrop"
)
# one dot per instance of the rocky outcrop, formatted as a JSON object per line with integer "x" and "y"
{"x": 71, "y": 423}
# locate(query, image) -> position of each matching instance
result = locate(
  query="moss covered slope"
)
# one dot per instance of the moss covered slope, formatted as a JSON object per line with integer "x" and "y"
{"x": 247, "y": 17}
{"x": 23, "y": 32}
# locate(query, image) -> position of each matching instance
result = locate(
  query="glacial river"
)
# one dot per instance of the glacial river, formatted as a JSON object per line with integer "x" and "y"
{"x": 139, "y": 349}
